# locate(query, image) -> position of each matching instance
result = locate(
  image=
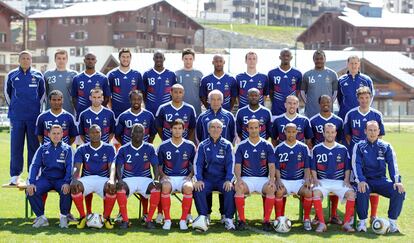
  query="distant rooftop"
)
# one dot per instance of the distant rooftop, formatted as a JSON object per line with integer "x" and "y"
{"x": 387, "y": 20}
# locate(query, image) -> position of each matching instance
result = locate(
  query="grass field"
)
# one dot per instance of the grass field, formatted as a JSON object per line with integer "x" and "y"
{"x": 279, "y": 34}
{"x": 14, "y": 228}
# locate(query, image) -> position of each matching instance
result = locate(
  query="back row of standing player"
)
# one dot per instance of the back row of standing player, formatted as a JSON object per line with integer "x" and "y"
{"x": 26, "y": 87}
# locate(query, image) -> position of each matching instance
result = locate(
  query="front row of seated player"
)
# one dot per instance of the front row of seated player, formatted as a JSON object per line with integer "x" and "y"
{"x": 256, "y": 167}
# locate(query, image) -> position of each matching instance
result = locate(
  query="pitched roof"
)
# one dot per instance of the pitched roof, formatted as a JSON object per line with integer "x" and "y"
{"x": 387, "y": 20}
{"x": 11, "y": 9}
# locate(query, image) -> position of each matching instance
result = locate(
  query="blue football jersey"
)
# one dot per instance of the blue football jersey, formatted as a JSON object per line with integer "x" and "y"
{"x": 347, "y": 87}
{"x": 226, "y": 117}
{"x": 226, "y": 84}
{"x": 121, "y": 84}
{"x": 246, "y": 81}
{"x": 281, "y": 85}
{"x": 318, "y": 123}
{"x": 95, "y": 161}
{"x": 302, "y": 125}
{"x": 292, "y": 160}
{"x": 47, "y": 119}
{"x": 105, "y": 119}
{"x": 176, "y": 160}
{"x": 137, "y": 161}
{"x": 355, "y": 122}
{"x": 330, "y": 163}
{"x": 127, "y": 119}
{"x": 82, "y": 86}
{"x": 157, "y": 88}
{"x": 167, "y": 114}
{"x": 262, "y": 114}
{"x": 254, "y": 158}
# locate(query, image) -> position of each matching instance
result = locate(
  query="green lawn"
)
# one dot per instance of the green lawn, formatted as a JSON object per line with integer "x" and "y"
{"x": 279, "y": 34}
{"x": 14, "y": 228}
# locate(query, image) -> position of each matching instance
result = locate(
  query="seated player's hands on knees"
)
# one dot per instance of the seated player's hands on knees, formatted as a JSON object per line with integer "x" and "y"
{"x": 154, "y": 185}
{"x": 399, "y": 186}
{"x": 315, "y": 182}
{"x": 227, "y": 186}
{"x": 279, "y": 185}
{"x": 30, "y": 189}
{"x": 347, "y": 184}
{"x": 362, "y": 186}
{"x": 65, "y": 188}
{"x": 75, "y": 186}
{"x": 121, "y": 185}
{"x": 110, "y": 187}
{"x": 165, "y": 178}
{"x": 199, "y": 186}
{"x": 307, "y": 183}
{"x": 240, "y": 185}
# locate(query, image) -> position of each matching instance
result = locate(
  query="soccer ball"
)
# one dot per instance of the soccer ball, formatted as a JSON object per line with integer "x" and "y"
{"x": 94, "y": 220}
{"x": 282, "y": 224}
{"x": 200, "y": 224}
{"x": 380, "y": 226}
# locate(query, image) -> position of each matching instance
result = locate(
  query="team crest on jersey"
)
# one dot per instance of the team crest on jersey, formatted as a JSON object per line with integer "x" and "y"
{"x": 185, "y": 118}
{"x": 133, "y": 82}
{"x": 167, "y": 82}
{"x": 144, "y": 123}
{"x": 62, "y": 156}
{"x": 380, "y": 154}
{"x": 33, "y": 80}
{"x": 145, "y": 157}
{"x": 226, "y": 87}
{"x": 259, "y": 85}
{"x": 293, "y": 80}
{"x": 300, "y": 156}
{"x": 185, "y": 155}
{"x": 105, "y": 122}
{"x": 105, "y": 158}
{"x": 64, "y": 125}
{"x": 299, "y": 128}
{"x": 339, "y": 158}
{"x": 261, "y": 120}
{"x": 327, "y": 79}
{"x": 68, "y": 80}
{"x": 263, "y": 155}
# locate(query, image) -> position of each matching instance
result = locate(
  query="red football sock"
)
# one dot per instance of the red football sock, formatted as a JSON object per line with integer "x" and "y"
{"x": 159, "y": 209}
{"x": 270, "y": 201}
{"x": 263, "y": 203}
{"x": 349, "y": 210}
{"x": 307, "y": 207}
{"x": 144, "y": 202}
{"x": 154, "y": 201}
{"x": 334, "y": 205}
{"x": 317, "y": 204}
{"x": 122, "y": 199}
{"x": 109, "y": 202}
{"x": 44, "y": 197}
{"x": 374, "y": 201}
{"x": 186, "y": 205}
{"x": 278, "y": 207}
{"x": 166, "y": 205}
{"x": 239, "y": 201}
{"x": 88, "y": 202}
{"x": 78, "y": 200}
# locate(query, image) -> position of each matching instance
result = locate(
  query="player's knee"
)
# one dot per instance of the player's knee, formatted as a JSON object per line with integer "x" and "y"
{"x": 306, "y": 193}
{"x": 350, "y": 195}
{"x": 268, "y": 190}
{"x": 317, "y": 193}
{"x": 188, "y": 188}
{"x": 280, "y": 193}
{"x": 166, "y": 187}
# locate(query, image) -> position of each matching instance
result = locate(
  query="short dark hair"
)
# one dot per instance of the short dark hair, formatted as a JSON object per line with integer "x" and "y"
{"x": 55, "y": 92}
{"x": 250, "y": 53}
{"x": 188, "y": 51}
{"x": 61, "y": 52}
{"x": 134, "y": 92}
{"x": 178, "y": 122}
{"x": 319, "y": 52}
{"x": 324, "y": 96}
{"x": 124, "y": 50}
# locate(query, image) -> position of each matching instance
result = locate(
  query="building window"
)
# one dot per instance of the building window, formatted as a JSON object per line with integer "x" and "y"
{"x": 2, "y": 59}
{"x": 410, "y": 41}
{"x": 79, "y": 35}
{"x": 79, "y": 67}
{"x": 78, "y": 51}
{"x": 263, "y": 2}
{"x": 80, "y": 20}
{"x": 3, "y": 37}
{"x": 262, "y": 11}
